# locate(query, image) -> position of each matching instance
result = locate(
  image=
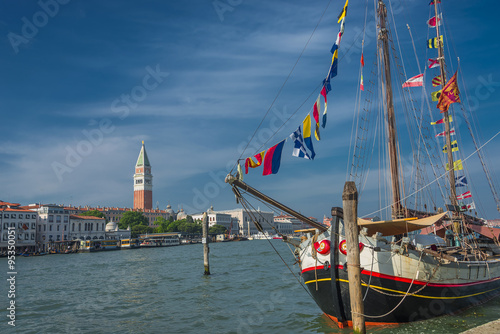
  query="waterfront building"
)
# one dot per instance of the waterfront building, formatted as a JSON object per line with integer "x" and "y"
{"x": 286, "y": 224}
{"x": 114, "y": 233}
{"x": 244, "y": 221}
{"x": 218, "y": 218}
{"x": 22, "y": 222}
{"x": 143, "y": 182}
{"x": 52, "y": 223}
{"x": 87, "y": 228}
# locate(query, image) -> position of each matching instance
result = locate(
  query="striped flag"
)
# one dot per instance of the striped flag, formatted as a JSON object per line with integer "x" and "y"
{"x": 272, "y": 160}
{"x": 323, "y": 93}
{"x": 436, "y": 81}
{"x": 416, "y": 81}
{"x": 433, "y": 43}
{"x": 316, "y": 110}
{"x": 442, "y": 134}
{"x": 343, "y": 13}
{"x": 441, "y": 121}
{"x": 466, "y": 194}
{"x": 306, "y": 125}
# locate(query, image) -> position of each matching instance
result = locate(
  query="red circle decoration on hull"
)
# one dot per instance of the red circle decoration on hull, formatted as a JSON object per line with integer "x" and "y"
{"x": 343, "y": 247}
{"x": 322, "y": 247}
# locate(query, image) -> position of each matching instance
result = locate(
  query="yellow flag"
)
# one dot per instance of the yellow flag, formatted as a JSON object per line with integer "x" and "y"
{"x": 344, "y": 12}
{"x": 457, "y": 165}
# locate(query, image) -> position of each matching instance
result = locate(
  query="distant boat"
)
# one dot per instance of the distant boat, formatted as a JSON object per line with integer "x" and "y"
{"x": 129, "y": 244}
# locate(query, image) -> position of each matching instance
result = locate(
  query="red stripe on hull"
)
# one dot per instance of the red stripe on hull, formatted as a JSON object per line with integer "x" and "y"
{"x": 407, "y": 280}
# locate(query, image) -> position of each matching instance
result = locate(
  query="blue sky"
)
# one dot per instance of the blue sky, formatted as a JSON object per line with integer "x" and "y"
{"x": 84, "y": 82}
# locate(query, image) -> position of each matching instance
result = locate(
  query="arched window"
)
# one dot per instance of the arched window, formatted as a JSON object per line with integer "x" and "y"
{"x": 79, "y": 227}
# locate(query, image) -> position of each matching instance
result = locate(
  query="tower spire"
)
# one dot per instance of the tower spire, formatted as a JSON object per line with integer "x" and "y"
{"x": 143, "y": 181}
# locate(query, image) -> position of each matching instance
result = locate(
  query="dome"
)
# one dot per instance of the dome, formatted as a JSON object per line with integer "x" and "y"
{"x": 181, "y": 215}
{"x": 211, "y": 209}
{"x": 169, "y": 210}
{"x": 111, "y": 226}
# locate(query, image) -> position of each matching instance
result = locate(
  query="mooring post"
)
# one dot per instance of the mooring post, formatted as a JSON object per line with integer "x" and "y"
{"x": 204, "y": 240}
{"x": 350, "y": 205}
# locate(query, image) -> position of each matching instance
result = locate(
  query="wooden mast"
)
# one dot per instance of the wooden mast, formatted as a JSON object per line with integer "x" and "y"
{"x": 451, "y": 172}
{"x": 383, "y": 54}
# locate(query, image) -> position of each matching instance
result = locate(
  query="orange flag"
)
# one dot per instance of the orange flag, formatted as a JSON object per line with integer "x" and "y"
{"x": 449, "y": 95}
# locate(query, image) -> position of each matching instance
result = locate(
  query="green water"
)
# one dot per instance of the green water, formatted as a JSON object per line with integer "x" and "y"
{"x": 163, "y": 290}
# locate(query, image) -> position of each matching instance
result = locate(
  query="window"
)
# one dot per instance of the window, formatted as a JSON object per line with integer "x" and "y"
{"x": 39, "y": 228}
{"x": 51, "y": 218}
{"x": 6, "y": 215}
{"x": 79, "y": 227}
{"x": 5, "y": 236}
{"x": 66, "y": 219}
{"x": 73, "y": 227}
{"x": 33, "y": 226}
{"x": 58, "y": 219}
{"x": 20, "y": 216}
{"x": 32, "y": 236}
{"x": 5, "y": 226}
{"x": 33, "y": 216}
{"x": 102, "y": 226}
{"x": 50, "y": 227}
{"x": 26, "y": 236}
{"x": 13, "y": 215}
{"x": 57, "y": 228}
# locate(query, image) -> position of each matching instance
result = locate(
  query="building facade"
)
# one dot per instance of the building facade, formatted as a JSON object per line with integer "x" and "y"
{"x": 17, "y": 225}
{"x": 143, "y": 182}
{"x": 218, "y": 218}
{"x": 87, "y": 228}
{"x": 245, "y": 222}
{"x": 52, "y": 223}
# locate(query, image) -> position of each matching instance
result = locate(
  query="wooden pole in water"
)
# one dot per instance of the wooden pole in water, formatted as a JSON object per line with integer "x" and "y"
{"x": 204, "y": 240}
{"x": 350, "y": 205}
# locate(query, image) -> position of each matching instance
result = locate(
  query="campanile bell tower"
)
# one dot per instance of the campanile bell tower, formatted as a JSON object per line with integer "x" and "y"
{"x": 143, "y": 182}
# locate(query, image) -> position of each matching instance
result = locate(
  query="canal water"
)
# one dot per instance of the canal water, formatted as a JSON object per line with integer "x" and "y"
{"x": 163, "y": 290}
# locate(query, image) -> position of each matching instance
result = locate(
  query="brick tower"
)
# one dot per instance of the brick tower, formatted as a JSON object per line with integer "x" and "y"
{"x": 143, "y": 182}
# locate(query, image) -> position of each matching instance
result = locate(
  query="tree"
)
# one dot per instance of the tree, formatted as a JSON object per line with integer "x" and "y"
{"x": 93, "y": 213}
{"x": 189, "y": 219}
{"x": 162, "y": 225}
{"x": 132, "y": 218}
{"x": 217, "y": 229}
{"x": 138, "y": 229}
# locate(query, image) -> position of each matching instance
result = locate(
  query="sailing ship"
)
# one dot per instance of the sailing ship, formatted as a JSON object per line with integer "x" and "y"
{"x": 421, "y": 262}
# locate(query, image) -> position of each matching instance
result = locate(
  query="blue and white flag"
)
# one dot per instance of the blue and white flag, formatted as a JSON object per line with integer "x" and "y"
{"x": 460, "y": 181}
{"x": 299, "y": 150}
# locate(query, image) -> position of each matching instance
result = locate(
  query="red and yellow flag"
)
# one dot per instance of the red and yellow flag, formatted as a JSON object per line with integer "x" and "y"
{"x": 449, "y": 94}
{"x": 252, "y": 164}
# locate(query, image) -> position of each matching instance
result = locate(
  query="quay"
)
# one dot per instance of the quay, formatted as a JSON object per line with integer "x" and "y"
{"x": 490, "y": 327}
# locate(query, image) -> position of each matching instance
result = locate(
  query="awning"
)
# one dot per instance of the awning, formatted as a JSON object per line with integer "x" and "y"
{"x": 488, "y": 232}
{"x": 399, "y": 226}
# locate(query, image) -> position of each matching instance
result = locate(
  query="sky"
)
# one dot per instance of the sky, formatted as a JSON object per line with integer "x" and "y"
{"x": 85, "y": 82}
